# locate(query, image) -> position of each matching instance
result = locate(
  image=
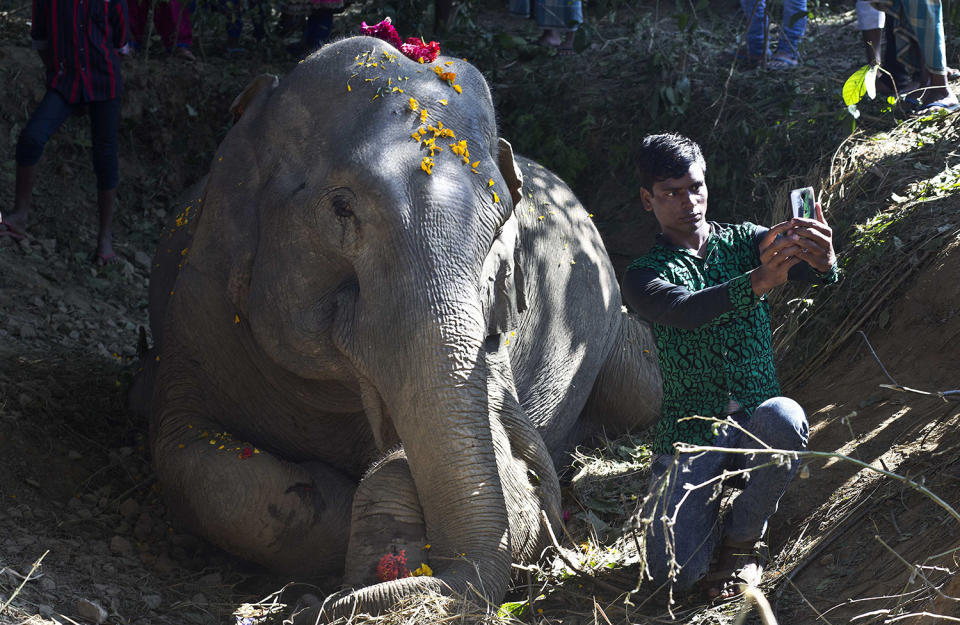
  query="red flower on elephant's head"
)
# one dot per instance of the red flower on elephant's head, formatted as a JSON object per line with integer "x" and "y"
{"x": 414, "y": 47}
{"x": 419, "y": 50}
{"x": 392, "y": 566}
{"x": 384, "y": 30}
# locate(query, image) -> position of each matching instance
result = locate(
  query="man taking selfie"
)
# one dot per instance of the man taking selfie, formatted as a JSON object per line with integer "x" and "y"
{"x": 702, "y": 287}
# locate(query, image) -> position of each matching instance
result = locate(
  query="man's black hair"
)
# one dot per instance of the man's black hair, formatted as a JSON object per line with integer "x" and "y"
{"x": 667, "y": 155}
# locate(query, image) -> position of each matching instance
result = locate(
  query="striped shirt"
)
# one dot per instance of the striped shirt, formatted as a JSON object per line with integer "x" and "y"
{"x": 83, "y": 37}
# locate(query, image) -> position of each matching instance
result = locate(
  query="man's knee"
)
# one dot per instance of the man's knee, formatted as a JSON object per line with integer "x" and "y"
{"x": 781, "y": 422}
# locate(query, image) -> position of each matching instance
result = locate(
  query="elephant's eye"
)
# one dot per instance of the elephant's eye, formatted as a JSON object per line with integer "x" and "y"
{"x": 341, "y": 206}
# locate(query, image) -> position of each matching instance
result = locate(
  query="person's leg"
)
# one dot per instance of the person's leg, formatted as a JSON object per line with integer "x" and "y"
{"x": 52, "y": 111}
{"x": 792, "y": 25}
{"x": 441, "y": 15}
{"x": 104, "y": 122}
{"x": 755, "y": 14}
{"x": 317, "y": 31}
{"x": 137, "y": 13}
{"x": 930, "y": 36}
{"x": 233, "y": 10}
{"x": 690, "y": 541}
{"x": 559, "y": 20}
{"x": 172, "y": 20}
{"x": 870, "y": 21}
{"x": 780, "y": 423}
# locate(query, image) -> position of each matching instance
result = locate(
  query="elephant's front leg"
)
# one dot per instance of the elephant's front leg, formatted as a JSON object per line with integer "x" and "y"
{"x": 290, "y": 517}
{"x": 388, "y": 538}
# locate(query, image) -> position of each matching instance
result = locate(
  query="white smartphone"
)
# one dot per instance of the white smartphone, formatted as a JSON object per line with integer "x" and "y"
{"x": 803, "y": 203}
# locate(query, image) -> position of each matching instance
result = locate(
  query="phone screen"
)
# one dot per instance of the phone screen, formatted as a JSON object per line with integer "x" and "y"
{"x": 803, "y": 203}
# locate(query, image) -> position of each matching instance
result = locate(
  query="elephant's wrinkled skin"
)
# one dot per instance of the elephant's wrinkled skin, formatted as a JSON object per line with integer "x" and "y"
{"x": 338, "y": 303}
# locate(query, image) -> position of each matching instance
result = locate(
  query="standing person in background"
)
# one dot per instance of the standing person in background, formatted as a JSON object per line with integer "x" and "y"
{"x": 873, "y": 25}
{"x": 78, "y": 42}
{"x": 922, "y": 48}
{"x": 703, "y": 287}
{"x": 559, "y": 20}
{"x": 317, "y": 27}
{"x": 171, "y": 18}
{"x": 792, "y": 24}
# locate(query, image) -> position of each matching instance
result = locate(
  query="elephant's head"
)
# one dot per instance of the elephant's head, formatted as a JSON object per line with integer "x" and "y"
{"x": 360, "y": 216}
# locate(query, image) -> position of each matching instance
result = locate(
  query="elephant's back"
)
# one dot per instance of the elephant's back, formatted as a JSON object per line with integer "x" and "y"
{"x": 573, "y": 304}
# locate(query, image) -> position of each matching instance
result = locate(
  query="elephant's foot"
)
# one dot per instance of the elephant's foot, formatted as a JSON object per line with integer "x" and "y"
{"x": 289, "y": 517}
{"x": 387, "y": 534}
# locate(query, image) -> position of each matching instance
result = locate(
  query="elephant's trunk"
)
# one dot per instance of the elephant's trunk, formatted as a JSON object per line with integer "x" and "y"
{"x": 437, "y": 394}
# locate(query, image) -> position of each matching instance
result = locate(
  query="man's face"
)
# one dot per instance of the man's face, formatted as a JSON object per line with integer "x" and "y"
{"x": 679, "y": 204}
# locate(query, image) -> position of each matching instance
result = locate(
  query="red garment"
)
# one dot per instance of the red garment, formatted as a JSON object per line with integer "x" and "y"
{"x": 82, "y": 37}
{"x": 166, "y": 16}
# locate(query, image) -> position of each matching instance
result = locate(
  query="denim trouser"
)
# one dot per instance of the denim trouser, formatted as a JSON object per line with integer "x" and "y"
{"x": 780, "y": 423}
{"x": 52, "y": 112}
{"x": 792, "y": 24}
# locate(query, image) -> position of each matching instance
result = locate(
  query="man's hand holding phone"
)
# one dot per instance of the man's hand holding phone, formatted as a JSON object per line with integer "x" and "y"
{"x": 815, "y": 238}
{"x": 779, "y": 251}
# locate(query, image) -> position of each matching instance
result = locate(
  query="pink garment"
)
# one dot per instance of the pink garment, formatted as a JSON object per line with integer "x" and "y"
{"x": 166, "y": 14}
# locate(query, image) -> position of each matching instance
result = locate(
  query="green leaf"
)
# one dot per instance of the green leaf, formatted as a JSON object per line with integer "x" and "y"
{"x": 870, "y": 81}
{"x": 516, "y": 609}
{"x": 855, "y": 87}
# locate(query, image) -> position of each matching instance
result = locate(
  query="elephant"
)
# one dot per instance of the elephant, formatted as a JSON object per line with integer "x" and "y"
{"x": 378, "y": 331}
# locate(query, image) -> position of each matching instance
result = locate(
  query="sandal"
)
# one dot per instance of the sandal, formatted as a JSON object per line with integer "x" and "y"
{"x": 782, "y": 61}
{"x": 738, "y": 565}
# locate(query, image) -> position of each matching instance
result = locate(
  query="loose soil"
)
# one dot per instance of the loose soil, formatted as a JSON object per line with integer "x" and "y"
{"x": 80, "y": 519}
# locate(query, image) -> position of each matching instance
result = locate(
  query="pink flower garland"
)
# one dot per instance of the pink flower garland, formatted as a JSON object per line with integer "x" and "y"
{"x": 414, "y": 47}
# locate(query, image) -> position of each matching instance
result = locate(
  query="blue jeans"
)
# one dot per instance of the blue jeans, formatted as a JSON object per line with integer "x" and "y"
{"x": 52, "y": 112}
{"x": 792, "y": 24}
{"x": 780, "y": 423}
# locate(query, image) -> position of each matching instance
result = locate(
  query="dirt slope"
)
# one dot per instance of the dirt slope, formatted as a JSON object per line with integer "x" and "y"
{"x": 77, "y": 491}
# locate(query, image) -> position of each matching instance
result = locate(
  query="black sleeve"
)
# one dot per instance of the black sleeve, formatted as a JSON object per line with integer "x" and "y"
{"x": 659, "y": 301}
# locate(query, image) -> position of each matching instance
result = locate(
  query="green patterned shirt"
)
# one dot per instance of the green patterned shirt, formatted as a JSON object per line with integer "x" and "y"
{"x": 713, "y": 332}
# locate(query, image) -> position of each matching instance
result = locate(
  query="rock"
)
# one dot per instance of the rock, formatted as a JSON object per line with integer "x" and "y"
{"x": 27, "y": 331}
{"x": 129, "y": 508}
{"x": 49, "y": 245}
{"x": 199, "y": 599}
{"x": 143, "y": 527}
{"x": 45, "y": 610}
{"x": 47, "y": 584}
{"x": 164, "y": 564}
{"x": 120, "y": 546}
{"x": 153, "y": 601}
{"x": 188, "y": 542}
{"x": 142, "y": 259}
{"x": 91, "y": 612}
{"x": 73, "y": 454}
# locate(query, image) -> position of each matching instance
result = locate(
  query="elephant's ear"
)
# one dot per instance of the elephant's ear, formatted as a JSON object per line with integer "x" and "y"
{"x": 262, "y": 84}
{"x": 510, "y": 171}
{"x": 502, "y": 280}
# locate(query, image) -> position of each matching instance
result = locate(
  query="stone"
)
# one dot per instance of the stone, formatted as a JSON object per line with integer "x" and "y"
{"x": 142, "y": 259}
{"x": 129, "y": 508}
{"x": 120, "y": 546}
{"x": 45, "y": 611}
{"x": 91, "y": 611}
{"x": 164, "y": 564}
{"x": 47, "y": 584}
{"x": 27, "y": 331}
{"x": 153, "y": 601}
